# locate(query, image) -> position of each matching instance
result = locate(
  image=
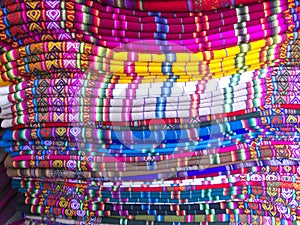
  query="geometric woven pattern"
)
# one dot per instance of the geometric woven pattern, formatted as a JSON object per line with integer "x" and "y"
{"x": 150, "y": 112}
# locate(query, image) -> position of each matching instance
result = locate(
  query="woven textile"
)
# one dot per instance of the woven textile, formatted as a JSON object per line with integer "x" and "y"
{"x": 150, "y": 112}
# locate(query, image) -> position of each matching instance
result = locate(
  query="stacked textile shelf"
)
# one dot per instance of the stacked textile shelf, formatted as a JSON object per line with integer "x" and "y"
{"x": 152, "y": 112}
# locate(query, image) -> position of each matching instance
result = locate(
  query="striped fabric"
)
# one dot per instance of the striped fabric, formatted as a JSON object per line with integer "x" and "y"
{"x": 150, "y": 112}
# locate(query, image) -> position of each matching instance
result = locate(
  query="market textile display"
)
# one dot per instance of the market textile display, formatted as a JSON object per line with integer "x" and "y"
{"x": 152, "y": 112}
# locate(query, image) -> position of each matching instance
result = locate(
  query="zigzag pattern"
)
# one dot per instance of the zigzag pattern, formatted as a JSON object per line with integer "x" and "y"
{"x": 150, "y": 112}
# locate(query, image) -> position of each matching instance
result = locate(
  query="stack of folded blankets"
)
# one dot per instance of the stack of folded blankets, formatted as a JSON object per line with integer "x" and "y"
{"x": 152, "y": 112}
